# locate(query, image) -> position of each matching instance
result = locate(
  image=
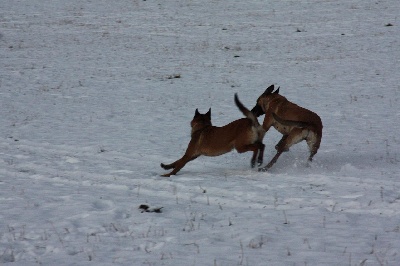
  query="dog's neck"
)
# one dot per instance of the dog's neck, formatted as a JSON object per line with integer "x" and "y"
{"x": 199, "y": 126}
{"x": 271, "y": 101}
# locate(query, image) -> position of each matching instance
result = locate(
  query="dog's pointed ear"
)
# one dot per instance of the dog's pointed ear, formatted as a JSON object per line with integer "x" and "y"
{"x": 269, "y": 90}
{"x": 196, "y": 113}
{"x": 277, "y": 90}
{"x": 209, "y": 113}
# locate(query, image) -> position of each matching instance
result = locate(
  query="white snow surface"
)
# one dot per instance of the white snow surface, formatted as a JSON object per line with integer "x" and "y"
{"x": 95, "y": 94}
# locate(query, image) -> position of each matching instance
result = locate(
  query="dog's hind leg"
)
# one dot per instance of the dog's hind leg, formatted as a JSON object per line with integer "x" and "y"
{"x": 260, "y": 154}
{"x": 253, "y": 159}
{"x": 313, "y": 142}
{"x": 251, "y": 147}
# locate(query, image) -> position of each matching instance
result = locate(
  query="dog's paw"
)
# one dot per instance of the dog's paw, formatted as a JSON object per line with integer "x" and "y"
{"x": 263, "y": 169}
{"x": 166, "y": 175}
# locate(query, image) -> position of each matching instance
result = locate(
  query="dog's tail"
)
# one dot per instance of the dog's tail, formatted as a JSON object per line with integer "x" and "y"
{"x": 247, "y": 113}
{"x": 290, "y": 123}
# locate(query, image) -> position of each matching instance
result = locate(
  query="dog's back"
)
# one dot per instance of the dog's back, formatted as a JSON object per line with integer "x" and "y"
{"x": 287, "y": 110}
{"x": 235, "y": 134}
{"x": 216, "y": 140}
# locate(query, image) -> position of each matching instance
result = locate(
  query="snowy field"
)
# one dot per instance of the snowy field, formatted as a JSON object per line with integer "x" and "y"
{"x": 95, "y": 94}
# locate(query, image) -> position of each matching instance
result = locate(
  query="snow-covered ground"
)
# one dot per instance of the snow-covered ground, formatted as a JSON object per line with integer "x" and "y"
{"x": 94, "y": 95}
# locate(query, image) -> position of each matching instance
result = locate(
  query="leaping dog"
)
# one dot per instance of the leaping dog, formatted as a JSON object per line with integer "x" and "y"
{"x": 295, "y": 123}
{"x": 245, "y": 134}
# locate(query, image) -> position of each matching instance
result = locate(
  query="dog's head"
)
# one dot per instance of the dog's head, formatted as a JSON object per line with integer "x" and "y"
{"x": 262, "y": 101}
{"x": 200, "y": 120}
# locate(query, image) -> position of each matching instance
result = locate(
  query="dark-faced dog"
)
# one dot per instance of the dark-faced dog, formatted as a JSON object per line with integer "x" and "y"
{"x": 244, "y": 135}
{"x": 292, "y": 121}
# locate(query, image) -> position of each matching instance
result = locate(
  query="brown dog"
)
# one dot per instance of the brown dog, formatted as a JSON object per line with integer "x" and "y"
{"x": 294, "y": 122}
{"x": 244, "y": 135}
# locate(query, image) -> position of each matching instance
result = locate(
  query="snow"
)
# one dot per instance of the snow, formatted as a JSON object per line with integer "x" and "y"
{"x": 94, "y": 95}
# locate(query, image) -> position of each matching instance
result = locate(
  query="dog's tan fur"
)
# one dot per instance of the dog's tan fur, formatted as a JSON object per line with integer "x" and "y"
{"x": 295, "y": 123}
{"x": 244, "y": 135}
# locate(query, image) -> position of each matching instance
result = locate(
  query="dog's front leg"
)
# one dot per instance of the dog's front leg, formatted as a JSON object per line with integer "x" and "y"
{"x": 280, "y": 147}
{"x": 168, "y": 166}
{"x": 178, "y": 165}
{"x": 281, "y": 143}
{"x": 271, "y": 163}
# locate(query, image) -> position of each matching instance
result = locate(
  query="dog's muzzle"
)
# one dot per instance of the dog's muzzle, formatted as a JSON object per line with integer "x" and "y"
{"x": 257, "y": 110}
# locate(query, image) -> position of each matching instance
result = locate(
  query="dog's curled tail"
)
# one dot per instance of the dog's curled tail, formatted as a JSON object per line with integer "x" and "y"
{"x": 247, "y": 113}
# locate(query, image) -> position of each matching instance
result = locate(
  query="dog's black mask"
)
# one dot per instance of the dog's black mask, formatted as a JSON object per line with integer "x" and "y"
{"x": 257, "y": 110}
